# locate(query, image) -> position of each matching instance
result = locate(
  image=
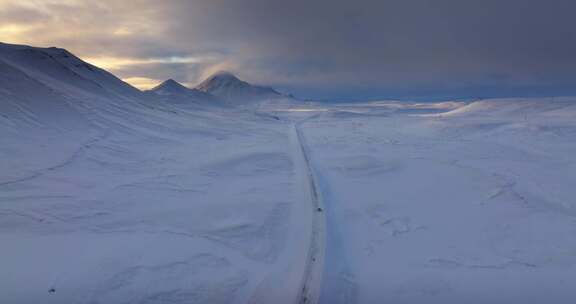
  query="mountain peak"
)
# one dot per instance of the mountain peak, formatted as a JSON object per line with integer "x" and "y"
{"x": 169, "y": 86}
{"x": 223, "y": 74}
{"x": 220, "y": 78}
{"x": 170, "y": 83}
{"x": 173, "y": 89}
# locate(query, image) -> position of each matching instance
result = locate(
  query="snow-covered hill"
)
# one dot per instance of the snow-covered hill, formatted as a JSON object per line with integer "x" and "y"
{"x": 511, "y": 107}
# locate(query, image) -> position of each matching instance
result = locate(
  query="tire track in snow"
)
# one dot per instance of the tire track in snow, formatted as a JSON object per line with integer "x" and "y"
{"x": 79, "y": 152}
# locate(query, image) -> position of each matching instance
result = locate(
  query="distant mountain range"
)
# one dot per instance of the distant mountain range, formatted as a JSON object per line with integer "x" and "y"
{"x": 222, "y": 86}
{"x": 172, "y": 91}
{"x": 26, "y": 70}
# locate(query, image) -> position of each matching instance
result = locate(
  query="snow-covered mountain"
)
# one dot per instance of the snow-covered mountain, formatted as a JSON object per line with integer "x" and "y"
{"x": 50, "y": 95}
{"x": 170, "y": 87}
{"x": 228, "y": 87}
{"x": 62, "y": 71}
{"x": 173, "y": 91}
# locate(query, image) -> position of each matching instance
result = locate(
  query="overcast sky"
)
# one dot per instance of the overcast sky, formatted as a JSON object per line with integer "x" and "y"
{"x": 339, "y": 49}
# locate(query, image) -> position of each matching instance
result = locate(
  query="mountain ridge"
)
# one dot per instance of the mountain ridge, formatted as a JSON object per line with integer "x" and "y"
{"x": 69, "y": 75}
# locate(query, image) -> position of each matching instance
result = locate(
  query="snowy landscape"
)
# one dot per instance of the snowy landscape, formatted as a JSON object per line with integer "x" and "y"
{"x": 235, "y": 193}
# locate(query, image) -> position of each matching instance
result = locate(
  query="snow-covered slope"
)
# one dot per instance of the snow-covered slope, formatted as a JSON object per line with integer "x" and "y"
{"x": 38, "y": 104}
{"x": 233, "y": 90}
{"x": 510, "y": 107}
{"x": 25, "y": 101}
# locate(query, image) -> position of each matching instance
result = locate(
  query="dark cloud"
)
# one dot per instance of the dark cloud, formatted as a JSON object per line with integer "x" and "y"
{"x": 330, "y": 48}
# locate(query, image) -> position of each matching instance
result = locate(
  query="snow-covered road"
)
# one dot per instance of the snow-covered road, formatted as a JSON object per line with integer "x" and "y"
{"x": 312, "y": 278}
